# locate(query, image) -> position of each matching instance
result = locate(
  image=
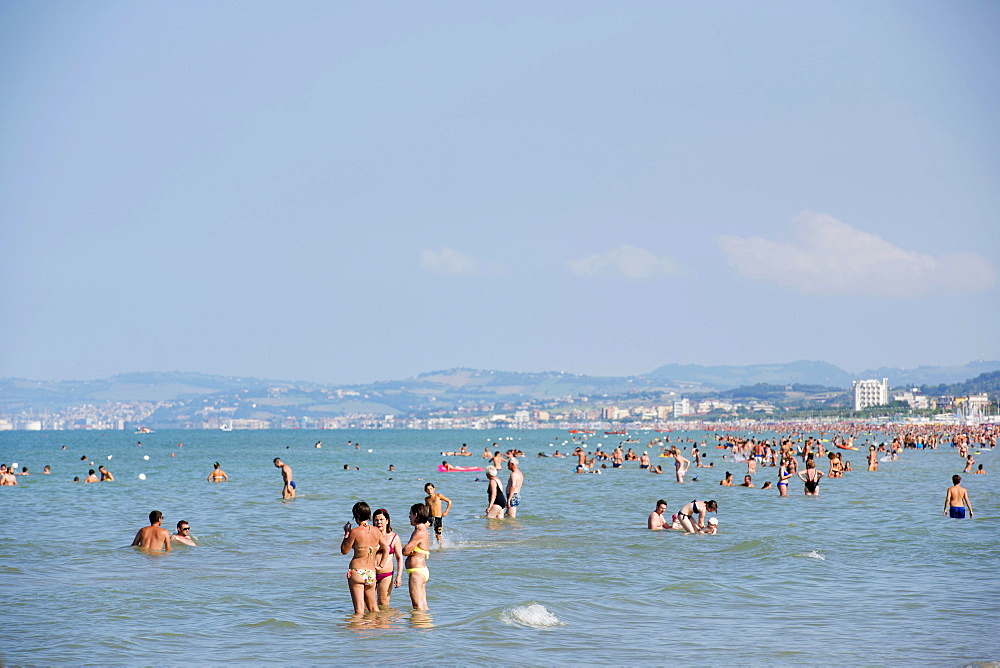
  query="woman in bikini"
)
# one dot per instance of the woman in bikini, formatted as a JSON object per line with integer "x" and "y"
{"x": 785, "y": 472}
{"x": 388, "y": 574}
{"x": 681, "y": 464}
{"x": 872, "y": 458}
{"x": 416, "y": 551}
{"x": 811, "y": 478}
{"x": 367, "y": 543}
{"x": 699, "y": 508}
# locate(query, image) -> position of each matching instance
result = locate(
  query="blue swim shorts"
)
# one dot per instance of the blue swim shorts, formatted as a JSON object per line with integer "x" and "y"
{"x": 958, "y": 512}
{"x": 291, "y": 483}
{"x": 515, "y": 500}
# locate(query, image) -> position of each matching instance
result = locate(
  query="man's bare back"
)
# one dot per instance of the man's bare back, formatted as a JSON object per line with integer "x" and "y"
{"x": 153, "y": 537}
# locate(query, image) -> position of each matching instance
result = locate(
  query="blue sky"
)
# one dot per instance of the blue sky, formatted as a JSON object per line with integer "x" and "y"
{"x": 350, "y": 192}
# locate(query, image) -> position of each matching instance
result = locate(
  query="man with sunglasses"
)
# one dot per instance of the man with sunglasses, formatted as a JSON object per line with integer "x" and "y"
{"x": 183, "y": 534}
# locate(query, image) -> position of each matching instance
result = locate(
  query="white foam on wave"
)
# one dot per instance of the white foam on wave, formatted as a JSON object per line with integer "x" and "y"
{"x": 533, "y": 615}
{"x": 813, "y": 554}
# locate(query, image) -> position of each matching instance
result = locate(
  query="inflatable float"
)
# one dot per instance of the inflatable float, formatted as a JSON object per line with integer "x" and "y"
{"x": 457, "y": 469}
{"x": 845, "y": 447}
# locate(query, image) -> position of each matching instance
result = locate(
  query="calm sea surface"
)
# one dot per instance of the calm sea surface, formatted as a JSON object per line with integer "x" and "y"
{"x": 869, "y": 573}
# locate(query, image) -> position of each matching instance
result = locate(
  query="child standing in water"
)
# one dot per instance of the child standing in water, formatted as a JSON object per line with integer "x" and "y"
{"x": 433, "y": 501}
{"x": 416, "y": 551}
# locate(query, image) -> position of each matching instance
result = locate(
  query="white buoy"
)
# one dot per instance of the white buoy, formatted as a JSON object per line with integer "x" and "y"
{"x": 145, "y": 456}
{"x": 142, "y": 476}
{"x": 14, "y": 465}
{"x": 109, "y": 456}
{"x": 369, "y": 449}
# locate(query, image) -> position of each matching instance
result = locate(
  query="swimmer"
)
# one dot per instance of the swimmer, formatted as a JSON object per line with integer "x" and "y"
{"x": 767, "y": 485}
{"x": 288, "y": 488}
{"x": 217, "y": 474}
{"x": 433, "y": 501}
{"x": 105, "y": 474}
{"x": 92, "y": 477}
{"x": 656, "y": 522}
{"x": 811, "y": 478}
{"x": 681, "y": 464}
{"x": 153, "y": 537}
{"x": 979, "y": 471}
{"x": 747, "y": 482}
{"x": 956, "y": 500}
{"x": 514, "y": 483}
{"x": 7, "y": 479}
{"x": 388, "y": 572}
{"x": 784, "y": 475}
{"x": 416, "y": 551}
{"x": 368, "y": 544}
{"x": 699, "y": 508}
{"x": 183, "y": 534}
{"x": 712, "y": 528}
{"x": 728, "y": 480}
{"x": 47, "y": 470}
{"x": 496, "y": 504}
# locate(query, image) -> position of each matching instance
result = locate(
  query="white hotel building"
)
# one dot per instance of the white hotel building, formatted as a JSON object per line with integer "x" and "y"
{"x": 870, "y": 393}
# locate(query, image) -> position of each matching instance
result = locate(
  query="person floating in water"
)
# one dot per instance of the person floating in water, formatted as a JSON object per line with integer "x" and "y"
{"x": 956, "y": 500}
{"x": 183, "y": 534}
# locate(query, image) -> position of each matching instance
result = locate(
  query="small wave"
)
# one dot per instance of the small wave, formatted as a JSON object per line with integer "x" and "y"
{"x": 533, "y": 615}
{"x": 812, "y": 554}
{"x": 272, "y": 623}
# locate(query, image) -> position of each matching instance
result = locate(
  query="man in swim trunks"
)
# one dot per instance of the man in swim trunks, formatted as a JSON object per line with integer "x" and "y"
{"x": 153, "y": 537}
{"x": 956, "y": 500}
{"x": 514, "y": 487}
{"x": 656, "y": 520}
{"x": 288, "y": 490}
{"x": 433, "y": 501}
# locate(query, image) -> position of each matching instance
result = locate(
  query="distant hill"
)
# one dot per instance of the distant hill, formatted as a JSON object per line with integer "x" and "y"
{"x": 729, "y": 377}
{"x": 181, "y": 396}
{"x": 931, "y": 375}
{"x": 985, "y": 382}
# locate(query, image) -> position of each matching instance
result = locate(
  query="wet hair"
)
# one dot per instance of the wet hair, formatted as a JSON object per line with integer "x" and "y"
{"x": 181, "y": 523}
{"x": 91, "y": 471}
{"x": 217, "y": 464}
{"x": 661, "y": 502}
{"x": 712, "y": 505}
{"x": 154, "y": 516}
{"x": 362, "y": 511}
{"x": 388, "y": 520}
{"x": 955, "y": 479}
{"x": 421, "y": 513}
{"x": 430, "y": 484}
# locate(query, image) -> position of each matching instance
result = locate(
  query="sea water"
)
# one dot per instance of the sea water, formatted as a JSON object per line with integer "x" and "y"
{"x": 868, "y": 573}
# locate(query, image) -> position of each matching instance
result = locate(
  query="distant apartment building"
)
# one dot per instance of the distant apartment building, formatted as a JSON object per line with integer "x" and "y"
{"x": 683, "y": 407}
{"x": 870, "y": 393}
{"x": 915, "y": 399}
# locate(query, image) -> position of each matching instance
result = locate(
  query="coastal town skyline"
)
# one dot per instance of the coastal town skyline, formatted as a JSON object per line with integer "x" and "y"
{"x": 342, "y": 193}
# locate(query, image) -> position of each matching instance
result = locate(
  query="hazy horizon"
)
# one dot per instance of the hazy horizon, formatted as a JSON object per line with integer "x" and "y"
{"x": 347, "y": 192}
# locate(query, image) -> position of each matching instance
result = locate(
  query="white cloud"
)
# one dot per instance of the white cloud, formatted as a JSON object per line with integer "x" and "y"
{"x": 626, "y": 262}
{"x": 829, "y": 257}
{"x": 450, "y": 262}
